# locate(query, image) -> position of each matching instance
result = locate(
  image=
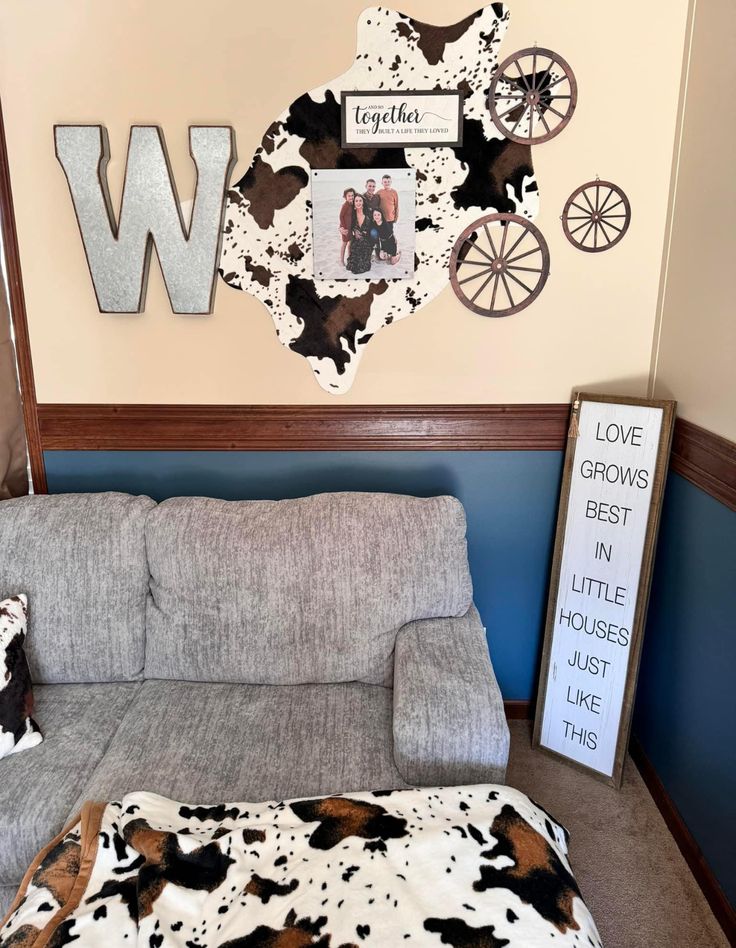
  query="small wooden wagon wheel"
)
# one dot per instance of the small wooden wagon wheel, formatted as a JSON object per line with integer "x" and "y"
{"x": 596, "y": 216}
{"x": 499, "y": 265}
{"x": 532, "y": 96}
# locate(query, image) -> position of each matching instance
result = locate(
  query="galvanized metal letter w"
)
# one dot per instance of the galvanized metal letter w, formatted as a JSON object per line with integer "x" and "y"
{"x": 119, "y": 254}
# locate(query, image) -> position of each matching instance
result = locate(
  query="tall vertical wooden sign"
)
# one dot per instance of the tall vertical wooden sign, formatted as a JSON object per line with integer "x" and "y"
{"x": 615, "y": 470}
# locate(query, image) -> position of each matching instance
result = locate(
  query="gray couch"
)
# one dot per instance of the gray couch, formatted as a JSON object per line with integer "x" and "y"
{"x": 212, "y": 650}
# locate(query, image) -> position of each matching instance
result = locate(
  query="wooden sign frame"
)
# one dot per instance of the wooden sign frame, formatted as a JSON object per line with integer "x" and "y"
{"x": 643, "y": 588}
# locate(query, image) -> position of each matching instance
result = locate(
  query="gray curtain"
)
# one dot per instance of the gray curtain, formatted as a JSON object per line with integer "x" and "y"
{"x": 13, "y": 457}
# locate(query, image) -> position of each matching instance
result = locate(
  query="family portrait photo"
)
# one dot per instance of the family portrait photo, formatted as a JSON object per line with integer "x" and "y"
{"x": 363, "y": 223}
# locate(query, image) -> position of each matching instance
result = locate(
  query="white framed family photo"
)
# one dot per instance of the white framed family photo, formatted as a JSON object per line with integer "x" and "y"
{"x": 363, "y": 223}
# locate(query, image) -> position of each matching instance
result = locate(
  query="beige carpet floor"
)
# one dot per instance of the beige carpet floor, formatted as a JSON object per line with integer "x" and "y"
{"x": 632, "y": 876}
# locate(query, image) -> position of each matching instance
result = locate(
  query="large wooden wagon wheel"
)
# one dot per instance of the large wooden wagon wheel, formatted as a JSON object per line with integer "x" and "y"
{"x": 532, "y": 96}
{"x": 596, "y": 216}
{"x": 499, "y": 265}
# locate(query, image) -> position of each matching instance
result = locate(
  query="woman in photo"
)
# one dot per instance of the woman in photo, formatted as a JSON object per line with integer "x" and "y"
{"x": 384, "y": 238}
{"x": 346, "y": 221}
{"x": 361, "y": 242}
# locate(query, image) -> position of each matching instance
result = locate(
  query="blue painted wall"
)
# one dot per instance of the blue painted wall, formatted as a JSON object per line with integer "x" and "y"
{"x": 510, "y": 498}
{"x": 686, "y": 704}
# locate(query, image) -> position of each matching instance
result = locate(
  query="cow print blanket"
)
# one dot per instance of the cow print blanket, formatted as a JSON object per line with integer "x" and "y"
{"x": 474, "y": 867}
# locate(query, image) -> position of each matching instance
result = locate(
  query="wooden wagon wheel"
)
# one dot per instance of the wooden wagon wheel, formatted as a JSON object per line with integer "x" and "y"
{"x": 532, "y": 96}
{"x": 499, "y": 265}
{"x": 596, "y": 216}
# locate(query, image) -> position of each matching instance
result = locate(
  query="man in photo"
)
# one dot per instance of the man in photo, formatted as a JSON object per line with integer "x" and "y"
{"x": 346, "y": 222}
{"x": 371, "y": 200}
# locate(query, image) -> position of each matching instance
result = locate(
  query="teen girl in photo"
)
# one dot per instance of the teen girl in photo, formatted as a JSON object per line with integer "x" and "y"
{"x": 346, "y": 222}
{"x": 382, "y": 233}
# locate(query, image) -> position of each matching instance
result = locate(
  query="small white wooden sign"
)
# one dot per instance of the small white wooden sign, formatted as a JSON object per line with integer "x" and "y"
{"x": 401, "y": 119}
{"x": 609, "y": 513}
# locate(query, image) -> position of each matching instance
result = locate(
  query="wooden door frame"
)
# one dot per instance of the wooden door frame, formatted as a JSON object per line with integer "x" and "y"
{"x": 17, "y": 302}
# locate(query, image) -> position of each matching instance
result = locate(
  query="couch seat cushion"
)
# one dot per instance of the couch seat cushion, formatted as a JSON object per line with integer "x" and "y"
{"x": 210, "y": 743}
{"x": 39, "y": 788}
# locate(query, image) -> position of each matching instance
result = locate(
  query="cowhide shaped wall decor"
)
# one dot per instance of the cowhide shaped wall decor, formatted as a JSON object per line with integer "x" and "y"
{"x": 267, "y": 245}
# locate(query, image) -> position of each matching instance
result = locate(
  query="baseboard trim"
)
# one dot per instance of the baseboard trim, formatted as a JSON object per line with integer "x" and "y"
{"x": 518, "y": 710}
{"x": 714, "y": 894}
{"x": 720, "y": 906}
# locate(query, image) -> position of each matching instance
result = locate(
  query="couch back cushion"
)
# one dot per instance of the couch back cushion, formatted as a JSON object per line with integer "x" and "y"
{"x": 297, "y": 591}
{"x": 81, "y": 560}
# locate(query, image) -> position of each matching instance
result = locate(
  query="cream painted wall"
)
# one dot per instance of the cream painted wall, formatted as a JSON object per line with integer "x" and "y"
{"x": 695, "y": 359}
{"x": 181, "y": 62}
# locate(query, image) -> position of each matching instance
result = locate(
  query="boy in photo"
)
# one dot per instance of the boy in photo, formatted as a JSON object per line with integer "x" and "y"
{"x": 389, "y": 200}
{"x": 388, "y": 204}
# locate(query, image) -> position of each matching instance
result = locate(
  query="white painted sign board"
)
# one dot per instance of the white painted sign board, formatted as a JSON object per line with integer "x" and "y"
{"x": 406, "y": 119}
{"x": 612, "y": 493}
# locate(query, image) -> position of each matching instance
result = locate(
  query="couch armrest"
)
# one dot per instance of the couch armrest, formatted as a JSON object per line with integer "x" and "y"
{"x": 449, "y": 722}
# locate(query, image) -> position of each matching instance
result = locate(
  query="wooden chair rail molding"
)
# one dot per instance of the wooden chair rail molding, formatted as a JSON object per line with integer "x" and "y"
{"x": 706, "y": 460}
{"x": 304, "y": 427}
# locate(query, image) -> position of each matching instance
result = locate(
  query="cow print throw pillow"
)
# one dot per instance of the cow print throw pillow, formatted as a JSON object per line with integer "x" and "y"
{"x": 18, "y": 730}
